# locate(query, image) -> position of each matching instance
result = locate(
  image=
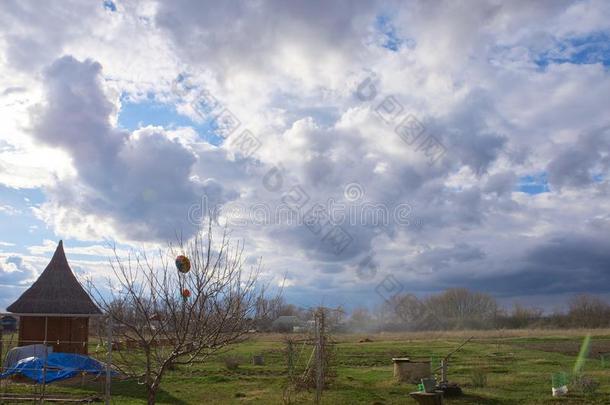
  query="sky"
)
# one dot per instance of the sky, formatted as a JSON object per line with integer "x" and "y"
{"x": 362, "y": 149}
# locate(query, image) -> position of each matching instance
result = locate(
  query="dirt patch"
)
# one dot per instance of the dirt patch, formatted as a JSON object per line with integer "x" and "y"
{"x": 568, "y": 347}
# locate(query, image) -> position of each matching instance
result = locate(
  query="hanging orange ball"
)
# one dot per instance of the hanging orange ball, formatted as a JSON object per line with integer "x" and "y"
{"x": 185, "y": 293}
{"x": 183, "y": 264}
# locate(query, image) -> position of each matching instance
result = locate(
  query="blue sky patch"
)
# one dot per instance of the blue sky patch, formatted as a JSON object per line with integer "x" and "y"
{"x": 18, "y": 223}
{"x": 583, "y": 50}
{"x": 391, "y": 41}
{"x": 150, "y": 112}
{"x": 533, "y": 184}
{"x": 109, "y": 5}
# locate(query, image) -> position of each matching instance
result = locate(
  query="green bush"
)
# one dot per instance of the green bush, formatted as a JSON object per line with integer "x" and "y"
{"x": 478, "y": 379}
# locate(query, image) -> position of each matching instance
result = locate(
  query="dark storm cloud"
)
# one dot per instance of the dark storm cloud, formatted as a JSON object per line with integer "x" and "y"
{"x": 437, "y": 258}
{"x": 567, "y": 263}
{"x": 468, "y": 134}
{"x": 578, "y": 162}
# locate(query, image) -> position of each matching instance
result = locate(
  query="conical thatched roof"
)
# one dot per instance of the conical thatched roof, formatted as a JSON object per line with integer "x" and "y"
{"x": 57, "y": 291}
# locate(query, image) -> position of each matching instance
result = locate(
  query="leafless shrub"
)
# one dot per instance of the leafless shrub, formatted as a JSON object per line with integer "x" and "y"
{"x": 232, "y": 363}
{"x": 585, "y": 384}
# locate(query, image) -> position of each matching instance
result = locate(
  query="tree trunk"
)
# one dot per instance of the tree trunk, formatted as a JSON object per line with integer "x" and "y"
{"x": 154, "y": 386}
{"x": 152, "y": 395}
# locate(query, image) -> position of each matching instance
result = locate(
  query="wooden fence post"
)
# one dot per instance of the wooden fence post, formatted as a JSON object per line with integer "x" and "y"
{"x": 108, "y": 361}
{"x": 320, "y": 343}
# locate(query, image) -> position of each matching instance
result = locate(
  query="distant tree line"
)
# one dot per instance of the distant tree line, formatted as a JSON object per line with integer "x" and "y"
{"x": 459, "y": 308}
{"x": 452, "y": 309}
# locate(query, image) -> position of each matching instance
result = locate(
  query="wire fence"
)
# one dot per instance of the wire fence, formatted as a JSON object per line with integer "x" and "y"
{"x": 32, "y": 369}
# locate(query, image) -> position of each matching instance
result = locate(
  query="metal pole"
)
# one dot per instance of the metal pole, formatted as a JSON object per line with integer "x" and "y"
{"x": 1, "y": 349}
{"x": 1, "y": 341}
{"x": 458, "y": 348}
{"x": 108, "y": 360}
{"x": 44, "y": 366}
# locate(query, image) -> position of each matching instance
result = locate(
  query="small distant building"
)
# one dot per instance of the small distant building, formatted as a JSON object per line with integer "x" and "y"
{"x": 55, "y": 309}
{"x": 286, "y": 323}
{"x": 9, "y": 323}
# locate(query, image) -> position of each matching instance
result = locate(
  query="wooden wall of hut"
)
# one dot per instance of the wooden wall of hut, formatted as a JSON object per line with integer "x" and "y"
{"x": 65, "y": 334}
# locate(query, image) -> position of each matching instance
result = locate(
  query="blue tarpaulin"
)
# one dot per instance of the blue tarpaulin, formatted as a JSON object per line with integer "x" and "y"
{"x": 60, "y": 366}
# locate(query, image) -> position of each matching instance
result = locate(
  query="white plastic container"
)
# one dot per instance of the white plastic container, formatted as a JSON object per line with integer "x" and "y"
{"x": 560, "y": 391}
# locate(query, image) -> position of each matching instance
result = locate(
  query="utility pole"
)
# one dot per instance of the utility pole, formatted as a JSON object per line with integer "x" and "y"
{"x": 1, "y": 343}
{"x": 108, "y": 361}
{"x": 290, "y": 355}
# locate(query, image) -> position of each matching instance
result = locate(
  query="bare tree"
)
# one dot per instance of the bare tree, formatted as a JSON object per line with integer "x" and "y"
{"x": 417, "y": 314}
{"x": 520, "y": 317}
{"x": 176, "y": 318}
{"x": 455, "y": 308}
{"x": 588, "y": 311}
{"x": 459, "y": 308}
{"x": 361, "y": 320}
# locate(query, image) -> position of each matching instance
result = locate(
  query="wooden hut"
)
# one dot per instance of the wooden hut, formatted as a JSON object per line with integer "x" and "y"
{"x": 55, "y": 309}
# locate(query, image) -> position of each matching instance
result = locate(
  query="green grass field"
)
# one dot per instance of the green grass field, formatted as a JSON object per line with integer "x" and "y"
{"x": 518, "y": 366}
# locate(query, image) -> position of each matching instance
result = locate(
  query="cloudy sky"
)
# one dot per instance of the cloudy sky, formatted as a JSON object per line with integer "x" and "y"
{"x": 361, "y": 148}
